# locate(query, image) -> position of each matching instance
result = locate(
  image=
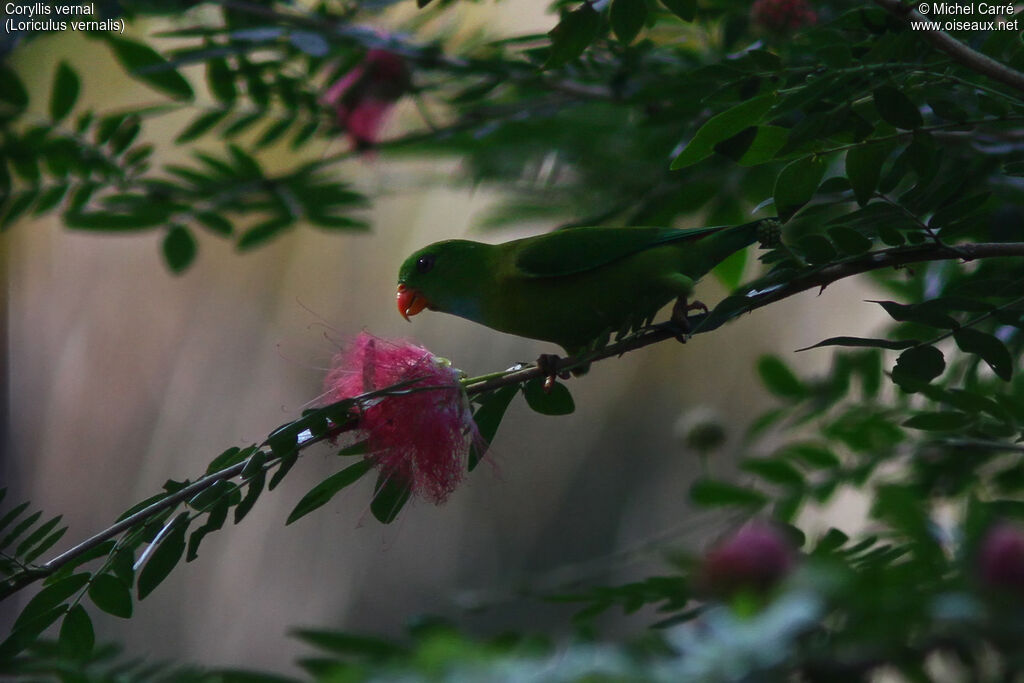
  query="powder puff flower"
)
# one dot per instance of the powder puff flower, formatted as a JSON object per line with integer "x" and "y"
{"x": 756, "y": 558}
{"x": 363, "y": 98}
{"x": 1001, "y": 558}
{"x": 782, "y": 16}
{"x": 421, "y": 434}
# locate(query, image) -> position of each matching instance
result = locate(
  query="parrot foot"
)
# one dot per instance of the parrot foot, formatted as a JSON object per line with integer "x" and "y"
{"x": 679, "y": 323}
{"x": 548, "y": 364}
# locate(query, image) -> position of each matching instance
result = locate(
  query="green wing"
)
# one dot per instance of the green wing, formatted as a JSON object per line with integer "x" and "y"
{"x": 576, "y": 250}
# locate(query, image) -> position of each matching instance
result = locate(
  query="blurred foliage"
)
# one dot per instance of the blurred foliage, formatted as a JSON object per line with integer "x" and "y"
{"x": 871, "y": 146}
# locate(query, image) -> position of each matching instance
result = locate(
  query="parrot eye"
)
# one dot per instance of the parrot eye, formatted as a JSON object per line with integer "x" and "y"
{"x": 425, "y": 263}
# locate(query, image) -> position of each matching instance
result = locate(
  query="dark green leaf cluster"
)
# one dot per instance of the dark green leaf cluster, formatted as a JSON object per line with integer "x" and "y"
{"x": 97, "y": 170}
{"x": 879, "y": 153}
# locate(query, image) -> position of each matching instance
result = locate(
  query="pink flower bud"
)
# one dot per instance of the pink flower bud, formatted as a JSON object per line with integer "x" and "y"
{"x": 363, "y": 98}
{"x": 423, "y": 432}
{"x": 1001, "y": 558}
{"x": 782, "y": 16}
{"x": 756, "y": 558}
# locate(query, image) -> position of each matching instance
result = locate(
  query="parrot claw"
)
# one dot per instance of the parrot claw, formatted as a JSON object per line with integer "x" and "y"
{"x": 548, "y": 364}
{"x": 679, "y": 323}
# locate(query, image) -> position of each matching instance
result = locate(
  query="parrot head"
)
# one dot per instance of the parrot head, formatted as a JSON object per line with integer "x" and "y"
{"x": 439, "y": 277}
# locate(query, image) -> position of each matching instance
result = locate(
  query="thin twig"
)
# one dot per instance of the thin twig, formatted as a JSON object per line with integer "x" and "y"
{"x": 972, "y": 59}
{"x": 818, "y": 278}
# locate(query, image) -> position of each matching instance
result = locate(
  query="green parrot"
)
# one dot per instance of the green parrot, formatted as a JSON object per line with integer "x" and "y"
{"x": 570, "y": 286}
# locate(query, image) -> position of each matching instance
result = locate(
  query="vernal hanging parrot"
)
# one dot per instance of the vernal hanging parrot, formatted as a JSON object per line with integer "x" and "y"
{"x": 569, "y": 286}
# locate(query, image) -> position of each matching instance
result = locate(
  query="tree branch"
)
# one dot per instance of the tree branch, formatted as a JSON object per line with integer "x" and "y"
{"x": 972, "y": 59}
{"x": 819, "y": 277}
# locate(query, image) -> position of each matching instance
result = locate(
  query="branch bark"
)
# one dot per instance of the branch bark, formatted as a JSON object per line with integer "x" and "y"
{"x": 816, "y": 278}
{"x": 972, "y": 59}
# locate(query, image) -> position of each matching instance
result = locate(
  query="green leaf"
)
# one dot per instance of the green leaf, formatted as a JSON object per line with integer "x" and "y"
{"x": 779, "y": 379}
{"x": 263, "y": 232}
{"x": 893, "y": 344}
{"x": 49, "y": 199}
{"x": 322, "y": 493}
{"x": 925, "y": 313}
{"x": 66, "y": 86}
{"x": 556, "y": 402}
{"x": 215, "y": 223}
{"x": 390, "y": 494}
{"x": 147, "y": 65}
{"x": 200, "y": 125}
{"x": 242, "y": 123}
{"x": 111, "y": 595}
{"x": 942, "y": 420}
{"x": 27, "y": 633}
{"x": 864, "y": 168}
{"x": 811, "y": 454}
{"x": 796, "y": 185}
{"x": 488, "y": 418}
{"x": 256, "y": 459}
{"x": 946, "y": 108}
{"x": 17, "y": 207}
{"x": 36, "y": 536}
{"x": 216, "y": 517}
{"x": 179, "y": 248}
{"x": 849, "y": 241}
{"x": 989, "y": 348}
{"x": 627, "y": 18}
{"x": 46, "y": 544}
{"x": 572, "y": 35}
{"x": 169, "y": 549}
{"x": 765, "y": 145}
{"x": 684, "y": 9}
{"x": 221, "y": 80}
{"x": 22, "y": 526}
{"x": 211, "y": 494}
{"x": 50, "y": 597}
{"x": 255, "y": 488}
{"x": 125, "y": 135}
{"x": 896, "y": 108}
{"x": 831, "y": 541}
{"x": 231, "y": 456}
{"x": 288, "y": 460}
{"x": 917, "y": 367}
{"x": 77, "y": 637}
{"x": 730, "y": 271}
{"x": 723, "y": 126}
{"x": 274, "y": 132}
{"x": 817, "y": 248}
{"x": 774, "y": 471}
{"x": 12, "y": 90}
{"x": 142, "y": 218}
{"x": 12, "y": 514}
{"x": 346, "y": 644}
{"x": 713, "y": 492}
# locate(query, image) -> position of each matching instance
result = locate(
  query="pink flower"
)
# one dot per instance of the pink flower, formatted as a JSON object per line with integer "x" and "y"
{"x": 782, "y": 16}
{"x": 423, "y": 432}
{"x": 1001, "y": 558}
{"x": 363, "y": 98}
{"x": 756, "y": 557}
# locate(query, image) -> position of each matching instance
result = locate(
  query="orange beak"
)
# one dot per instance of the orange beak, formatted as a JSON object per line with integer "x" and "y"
{"x": 410, "y": 302}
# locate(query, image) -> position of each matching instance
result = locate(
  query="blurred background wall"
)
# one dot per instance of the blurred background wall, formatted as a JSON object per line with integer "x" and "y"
{"x": 121, "y": 375}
